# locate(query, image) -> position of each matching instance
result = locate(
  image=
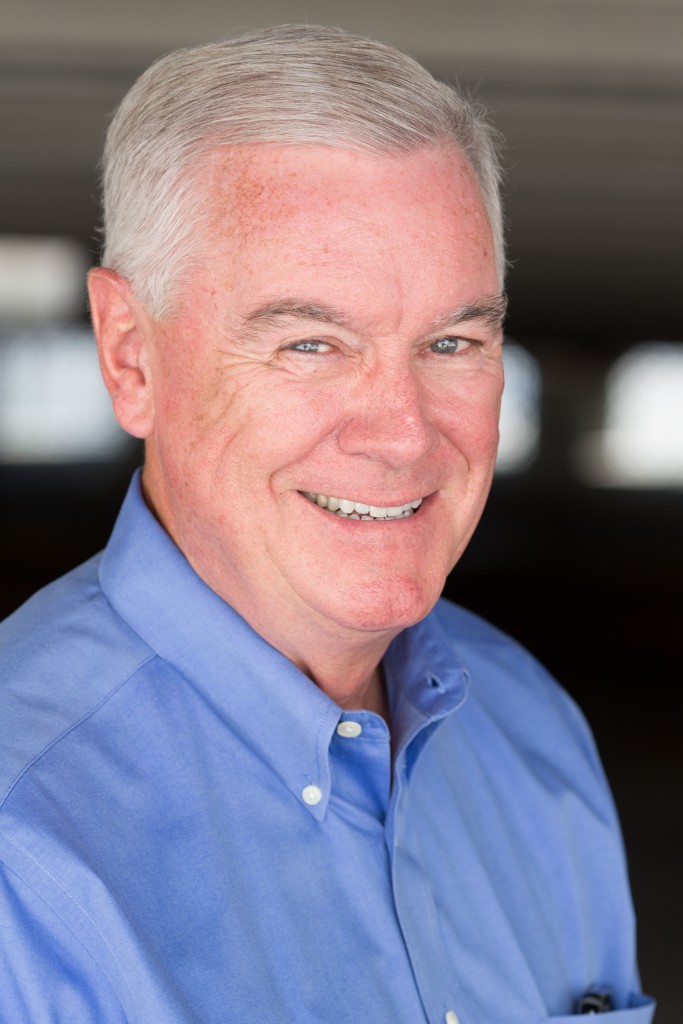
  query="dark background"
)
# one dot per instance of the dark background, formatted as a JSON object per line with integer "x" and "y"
{"x": 590, "y": 99}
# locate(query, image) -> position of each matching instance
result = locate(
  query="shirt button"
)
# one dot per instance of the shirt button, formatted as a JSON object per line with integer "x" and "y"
{"x": 312, "y": 795}
{"x": 451, "y": 1017}
{"x": 349, "y": 729}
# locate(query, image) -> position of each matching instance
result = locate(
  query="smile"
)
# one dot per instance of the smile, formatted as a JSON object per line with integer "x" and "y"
{"x": 347, "y": 509}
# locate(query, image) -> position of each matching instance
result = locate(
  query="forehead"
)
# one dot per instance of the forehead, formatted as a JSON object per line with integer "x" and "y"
{"x": 346, "y": 221}
{"x": 251, "y": 186}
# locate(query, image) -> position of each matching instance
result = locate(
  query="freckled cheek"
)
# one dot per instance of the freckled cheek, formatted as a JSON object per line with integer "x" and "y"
{"x": 180, "y": 420}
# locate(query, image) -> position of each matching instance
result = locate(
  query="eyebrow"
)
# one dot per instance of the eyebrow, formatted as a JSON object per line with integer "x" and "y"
{"x": 272, "y": 312}
{"x": 491, "y": 311}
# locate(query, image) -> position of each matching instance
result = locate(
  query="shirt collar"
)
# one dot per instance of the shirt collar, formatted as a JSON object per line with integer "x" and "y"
{"x": 426, "y": 680}
{"x": 260, "y": 693}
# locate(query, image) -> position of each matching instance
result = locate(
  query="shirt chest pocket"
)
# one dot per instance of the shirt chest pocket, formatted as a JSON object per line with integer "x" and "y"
{"x": 641, "y": 1012}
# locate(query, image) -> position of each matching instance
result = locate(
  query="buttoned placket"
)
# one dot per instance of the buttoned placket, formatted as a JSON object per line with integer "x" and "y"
{"x": 360, "y": 763}
{"x": 434, "y": 980}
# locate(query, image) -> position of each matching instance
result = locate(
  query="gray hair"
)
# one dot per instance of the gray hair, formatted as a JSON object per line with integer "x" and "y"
{"x": 293, "y": 84}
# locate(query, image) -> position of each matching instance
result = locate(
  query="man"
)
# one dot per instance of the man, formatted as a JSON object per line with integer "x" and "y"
{"x": 249, "y": 773}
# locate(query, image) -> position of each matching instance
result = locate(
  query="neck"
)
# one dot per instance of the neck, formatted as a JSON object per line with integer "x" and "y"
{"x": 343, "y": 662}
{"x": 368, "y": 692}
{"x": 346, "y": 667}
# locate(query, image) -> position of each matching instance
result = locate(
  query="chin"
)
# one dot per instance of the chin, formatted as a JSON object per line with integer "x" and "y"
{"x": 389, "y": 605}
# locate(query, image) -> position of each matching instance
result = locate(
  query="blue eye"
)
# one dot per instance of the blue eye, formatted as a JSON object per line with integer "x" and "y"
{"x": 449, "y": 346}
{"x": 309, "y": 346}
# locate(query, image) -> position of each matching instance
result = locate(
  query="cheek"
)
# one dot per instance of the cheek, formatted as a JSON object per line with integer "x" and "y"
{"x": 282, "y": 421}
{"x": 484, "y": 426}
{"x": 199, "y": 402}
{"x": 470, "y": 416}
{"x": 177, "y": 384}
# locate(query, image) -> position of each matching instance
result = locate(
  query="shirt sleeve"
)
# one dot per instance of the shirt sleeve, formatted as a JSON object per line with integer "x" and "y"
{"x": 46, "y": 974}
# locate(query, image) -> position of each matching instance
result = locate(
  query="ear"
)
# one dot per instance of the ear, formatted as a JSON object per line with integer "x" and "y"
{"x": 124, "y": 332}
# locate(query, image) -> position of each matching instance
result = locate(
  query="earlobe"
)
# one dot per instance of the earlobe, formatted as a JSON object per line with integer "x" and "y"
{"x": 123, "y": 331}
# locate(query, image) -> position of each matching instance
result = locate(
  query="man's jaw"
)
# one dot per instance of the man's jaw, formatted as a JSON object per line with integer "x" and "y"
{"x": 348, "y": 508}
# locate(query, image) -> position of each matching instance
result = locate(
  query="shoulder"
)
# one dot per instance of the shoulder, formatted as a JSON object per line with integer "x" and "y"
{"x": 61, "y": 654}
{"x": 489, "y": 653}
{"x": 467, "y": 629}
{"x": 514, "y": 690}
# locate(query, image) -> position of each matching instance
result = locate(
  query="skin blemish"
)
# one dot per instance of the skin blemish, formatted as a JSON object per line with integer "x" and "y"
{"x": 244, "y": 189}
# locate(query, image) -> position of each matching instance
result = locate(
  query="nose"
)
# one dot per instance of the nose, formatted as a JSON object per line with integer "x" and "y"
{"x": 391, "y": 420}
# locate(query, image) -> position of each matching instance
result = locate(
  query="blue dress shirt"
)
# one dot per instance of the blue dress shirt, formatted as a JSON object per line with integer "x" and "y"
{"x": 191, "y": 832}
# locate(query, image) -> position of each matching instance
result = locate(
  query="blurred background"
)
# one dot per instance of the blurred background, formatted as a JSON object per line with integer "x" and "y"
{"x": 579, "y": 554}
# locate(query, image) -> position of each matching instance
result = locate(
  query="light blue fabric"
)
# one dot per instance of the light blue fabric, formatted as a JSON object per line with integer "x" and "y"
{"x": 161, "y": 866}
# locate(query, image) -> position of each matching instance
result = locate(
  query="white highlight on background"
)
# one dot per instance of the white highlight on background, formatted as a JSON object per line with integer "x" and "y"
{"x": 642, "y": 443}
{"x": 520, "y": 414}
{"x": 53, "y": 404}
{"x": 42, "y": 279}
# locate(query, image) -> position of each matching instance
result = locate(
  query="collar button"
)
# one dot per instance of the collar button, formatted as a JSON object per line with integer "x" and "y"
{"x": 349, "y": 729}
{"x": 311, "y": 795}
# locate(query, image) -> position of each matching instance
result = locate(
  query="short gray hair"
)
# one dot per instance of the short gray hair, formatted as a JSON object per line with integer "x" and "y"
{"x": 293, "y": 84}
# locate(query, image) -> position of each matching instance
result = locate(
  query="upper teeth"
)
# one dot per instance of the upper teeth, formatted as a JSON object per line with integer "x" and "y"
{"x": 358, "y": 509}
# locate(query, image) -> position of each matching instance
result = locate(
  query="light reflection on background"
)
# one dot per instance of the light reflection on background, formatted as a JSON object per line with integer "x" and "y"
{"x": 643, "y": 440}
{"x": 53, "y": 404}
{"x": 42, "y": 279}
{"x": 641, "y": 443}
{"x": 520, "y": 413}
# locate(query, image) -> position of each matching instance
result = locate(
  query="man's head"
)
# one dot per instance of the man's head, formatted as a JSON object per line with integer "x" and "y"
{"x": 333, "y": 331}
{"x": 294, "y": 84}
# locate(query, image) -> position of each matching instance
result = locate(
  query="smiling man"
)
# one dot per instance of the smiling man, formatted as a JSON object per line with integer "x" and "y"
{"x": 250, "y": 771}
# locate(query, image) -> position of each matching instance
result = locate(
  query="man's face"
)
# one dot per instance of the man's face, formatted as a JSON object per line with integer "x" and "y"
{"x": 338, "y": 342}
